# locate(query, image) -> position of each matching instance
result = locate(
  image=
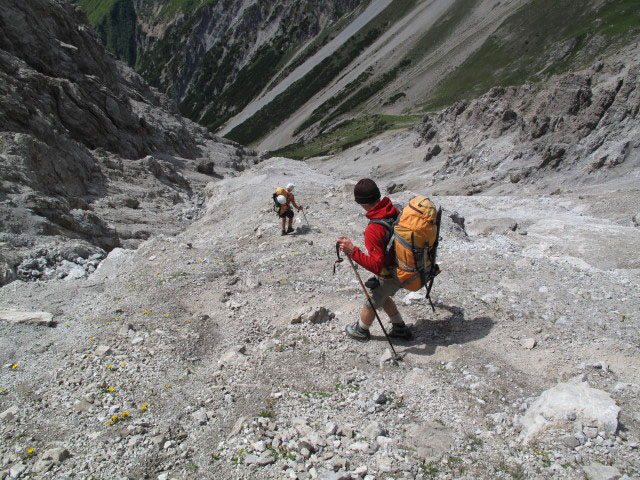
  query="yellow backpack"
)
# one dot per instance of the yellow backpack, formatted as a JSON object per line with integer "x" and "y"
{"x": 277, "y": 207}
{"x": 414, "y": 235}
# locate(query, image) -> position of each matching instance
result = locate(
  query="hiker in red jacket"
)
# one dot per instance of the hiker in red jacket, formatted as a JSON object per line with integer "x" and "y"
{"x": 377, "y": 260}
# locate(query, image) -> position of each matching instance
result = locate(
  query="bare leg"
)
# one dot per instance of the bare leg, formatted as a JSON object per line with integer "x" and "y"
{"x": 283, "y": 222}
{"x": 367, "y": 314}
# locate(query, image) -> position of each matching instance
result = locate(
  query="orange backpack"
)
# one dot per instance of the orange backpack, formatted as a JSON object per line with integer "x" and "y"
{"x": 280, "y": 209}
{"x": 415, "y": 235}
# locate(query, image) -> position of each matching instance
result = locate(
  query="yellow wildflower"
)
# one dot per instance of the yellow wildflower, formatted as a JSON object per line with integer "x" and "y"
{"x": 109, "y": 367}
{"x": 167, "y": 315}
{"x": 14, "y": 366}
{"x": 91, "y": 339}
{"x": 124, "y": 364}
{"x": 114, "y": 418}
{"x": 108, "y": 424}
{"x": 146, "y": 312}
{"x": 30, "y": 451}
{"x": 108, "y": 323}
{"x": 167, "y": 386}
{"x": 125, "y": 414}
{"x": 117, "y": 319}
{"x": 111, "y": 389}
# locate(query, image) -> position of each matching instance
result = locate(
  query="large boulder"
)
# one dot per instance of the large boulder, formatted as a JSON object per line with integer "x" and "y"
{"x": 568, "y": 402}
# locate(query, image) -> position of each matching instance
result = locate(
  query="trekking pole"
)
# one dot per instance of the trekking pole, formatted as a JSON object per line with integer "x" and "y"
{"x": 305, "y": 217}
{"x": 355, "y": 270}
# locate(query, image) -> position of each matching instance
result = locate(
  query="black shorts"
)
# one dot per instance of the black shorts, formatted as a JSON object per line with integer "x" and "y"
{"x": 287, "y": 214}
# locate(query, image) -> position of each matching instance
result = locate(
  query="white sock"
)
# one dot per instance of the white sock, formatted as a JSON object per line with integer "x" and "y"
{"x": 397, "y": 319}
{"x": 363, "y": 326}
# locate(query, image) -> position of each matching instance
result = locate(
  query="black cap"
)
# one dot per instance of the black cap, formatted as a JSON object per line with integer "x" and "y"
{"x": 366, "y": 191}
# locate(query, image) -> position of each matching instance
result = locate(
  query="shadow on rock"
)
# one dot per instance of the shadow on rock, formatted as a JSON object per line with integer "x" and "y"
{"x": 456, "y": 329}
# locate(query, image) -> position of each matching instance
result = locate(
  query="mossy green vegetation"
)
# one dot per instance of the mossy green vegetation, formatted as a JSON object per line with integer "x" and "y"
{"x": 345, "y": 135}
{"x": 115, "y": 21}
{"x": 357, "y": 92}
{"x": 324, "y": 37}
{"x": 285, "y": 104}
{"x": 538, "y": 41}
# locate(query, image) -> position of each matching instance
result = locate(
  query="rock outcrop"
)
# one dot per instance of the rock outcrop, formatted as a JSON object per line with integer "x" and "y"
{"x": 83, "y": 135}
{"x": 584, "y": 124}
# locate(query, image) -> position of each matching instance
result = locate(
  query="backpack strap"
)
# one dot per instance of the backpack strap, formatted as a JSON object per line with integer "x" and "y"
{"x": 435, "y": 268}
{"x": 388, "y": 224}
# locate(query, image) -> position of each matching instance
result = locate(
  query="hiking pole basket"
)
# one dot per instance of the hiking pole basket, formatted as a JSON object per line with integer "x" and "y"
{"x": 396, "y": 357}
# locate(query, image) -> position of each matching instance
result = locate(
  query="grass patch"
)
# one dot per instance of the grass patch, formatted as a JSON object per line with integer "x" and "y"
{"x": 345, "y": 135}
{"x": 531, "y": 44}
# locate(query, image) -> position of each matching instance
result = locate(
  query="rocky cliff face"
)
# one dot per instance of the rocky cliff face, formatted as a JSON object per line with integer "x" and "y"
{"x": 82, "y": 134}
{"x": 582, "y": 126}
{"x": 216, "y": 58}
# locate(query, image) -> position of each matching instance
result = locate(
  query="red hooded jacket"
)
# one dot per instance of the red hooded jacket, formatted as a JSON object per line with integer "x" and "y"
{"x": 374, "y": 239}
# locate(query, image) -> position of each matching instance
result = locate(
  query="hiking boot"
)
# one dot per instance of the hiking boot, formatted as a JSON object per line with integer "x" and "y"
{"x": 289, "y": 230}
{"x": 357, "y": 332}
{"x": 283, "y": 232}
{"x": 399, "y": 331}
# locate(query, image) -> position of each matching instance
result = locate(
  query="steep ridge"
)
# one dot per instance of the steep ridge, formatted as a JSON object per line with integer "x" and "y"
{"x": 82, "y": 136}
{"x": 259, "y": 73}
{"x": 579, "y": 129}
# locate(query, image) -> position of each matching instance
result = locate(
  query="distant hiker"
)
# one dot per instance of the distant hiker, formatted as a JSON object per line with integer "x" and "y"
{"x": 377, "y": 261}
{"x": 283, "y": 200}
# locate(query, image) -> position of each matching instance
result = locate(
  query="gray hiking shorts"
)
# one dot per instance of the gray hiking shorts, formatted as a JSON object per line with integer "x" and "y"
{"x": 387, "y": 288}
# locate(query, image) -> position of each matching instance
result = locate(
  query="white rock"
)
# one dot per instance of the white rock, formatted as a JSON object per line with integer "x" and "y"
{"x": 17, "y": 470}
{"x": 102, "y": 350}
{"x": 566, "y": 401}
{"x": 9, "y": 414}
{"x": 27, "y": 318}
{"x": 528, "y": 343}
{"x": 359, "y": 446}
{"x": 413, "y": 298}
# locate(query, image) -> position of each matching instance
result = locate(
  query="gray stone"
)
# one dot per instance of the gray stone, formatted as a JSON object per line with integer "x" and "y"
{"x": 313, "y": 315}
{"x": 430, "y": 440}
{"x": 597, "y": 471}
{"x": 27, "y": 318}
{"x": 266, "y": 458}
{"x": 200, "y": 416}
{"x": 9, "y": 414}
{"x": 42, "y": 466}
{"x": 56, "y": 455}
{"x": 636, "y": 220}
{"x": 570, "y": 441}
{"x": 380, "y": 398}
{"x": 374, "y": 430}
